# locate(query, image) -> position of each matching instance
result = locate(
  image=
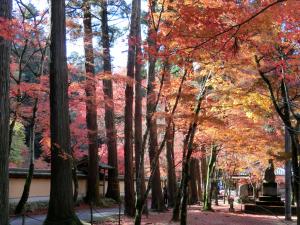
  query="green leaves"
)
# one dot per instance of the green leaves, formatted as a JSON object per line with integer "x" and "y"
{"x": 18, "y": 143}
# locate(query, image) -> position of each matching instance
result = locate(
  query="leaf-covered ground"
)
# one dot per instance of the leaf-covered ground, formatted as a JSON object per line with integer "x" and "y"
{"x": 220, "y": 216}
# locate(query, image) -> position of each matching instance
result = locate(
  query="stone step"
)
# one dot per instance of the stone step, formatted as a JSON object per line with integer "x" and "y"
{"x": 269, "y": 198}
{"x": 270, "y": 203}
{"x": 267, "y": 210}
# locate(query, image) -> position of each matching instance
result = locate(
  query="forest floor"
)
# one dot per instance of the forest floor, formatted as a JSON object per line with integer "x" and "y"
{"x": 99, "y": 214}
{"x": 220, "y": 216}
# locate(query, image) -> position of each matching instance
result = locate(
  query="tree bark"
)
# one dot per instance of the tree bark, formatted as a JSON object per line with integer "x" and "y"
{"x": 209, "y": 178}
{"x": 198, "y": 180}
{"x": 5, "y": 13}
{"x": 27, "y": 185}
{"x": 128, "y": 146}
{"x": 172, "y": 185}
{"x": 193, "y": 193}
{"x": 138, "y": 121}
{"x": 75, "y": 181}
{"x": 170, "y": 134}
{"x": 188, "y": 150}
{"x": 93, "y": 195}
{"x": 288, "y": 180}
{"x": 141, "y": 202}
{"x": 203, "y": 168}
{"x": 61, "y": 205}
{"x": 113, "y": 190}
{"x": 157, "y": 201}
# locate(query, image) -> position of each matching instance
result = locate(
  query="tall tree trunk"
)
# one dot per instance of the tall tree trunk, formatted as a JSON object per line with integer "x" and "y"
{"x": 184, "y": 178}
{"x": 203, "y": 168}
{"x": 187, "y": 157}
{"x": 176, "y": 208}
{"x": 288, "y": 178}
{"x": 141, "y": 202}
{"x": 138, "y": 121}
{"x": 296, "y": 171}
{"x": 128, "y": 146}
{"x": 172, "y": 186}
{"x": 113, "y": 190}
{"x": 193, "y": 182}
{"x": 61, "y": 205}
{"x": 93, "y": 194}
{"x": 5, "y": 12}
{"x": 170, "y": 135}
{"x": 26, "y": 188}
{"x": 184, "y": 195}
{"x": 209, "y": 178}
{"x": 75, "y": 181}
{"x": 157, "y": 201}
{"x": 198, "y": 180}
{"x": 294, "y": 145}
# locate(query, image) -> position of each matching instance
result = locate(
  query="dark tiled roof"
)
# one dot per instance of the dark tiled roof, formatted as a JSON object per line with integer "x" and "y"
{"x": 23, "y": 172}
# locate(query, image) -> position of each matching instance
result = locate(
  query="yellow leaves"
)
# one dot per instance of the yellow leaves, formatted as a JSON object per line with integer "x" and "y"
{"x": 256, "y": 105}
{"x": 250, "y": 115}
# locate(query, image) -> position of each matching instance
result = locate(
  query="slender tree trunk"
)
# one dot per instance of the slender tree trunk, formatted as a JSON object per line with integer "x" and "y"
{"x": 193, "y": 182}
{"x": 288, "y": 176}
{"x": 293, "y": 193}
{"x": 170, "y": 135}
{"x": 20, "y": 207}
{"x": 209, "y": 180}
{"x": 61, "y": 205}
{"x": 187, "y": 158}
{"x": 5, "y": 12}
{"x": 184, "y": 197}
{"x": 176, "y": 209}
{"x": 294, "y": 146}
{"x": 113, "y": 190}
{"x": 172, "y": 186}
{"x": 157, "y": 201}
{"x": 141, "y": 202}
{"x": 75, "y": 181}
{"x": 26, "y": 188}
{"x": 138, "y": 123}
{"x": 128, "y": 146}
{"x": 296, "y": 171}
{"x": 203, "y": 167}
{"x": 198, "y": 178}
{"x": 93, "y": 194}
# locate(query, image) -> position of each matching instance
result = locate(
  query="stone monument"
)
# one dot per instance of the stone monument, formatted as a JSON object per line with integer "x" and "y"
{"x": 269, "y": 187}
{"x": 269, "y": 202}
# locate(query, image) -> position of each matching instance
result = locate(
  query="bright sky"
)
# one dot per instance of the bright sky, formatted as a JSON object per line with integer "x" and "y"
{"x": 118, "y": 51}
